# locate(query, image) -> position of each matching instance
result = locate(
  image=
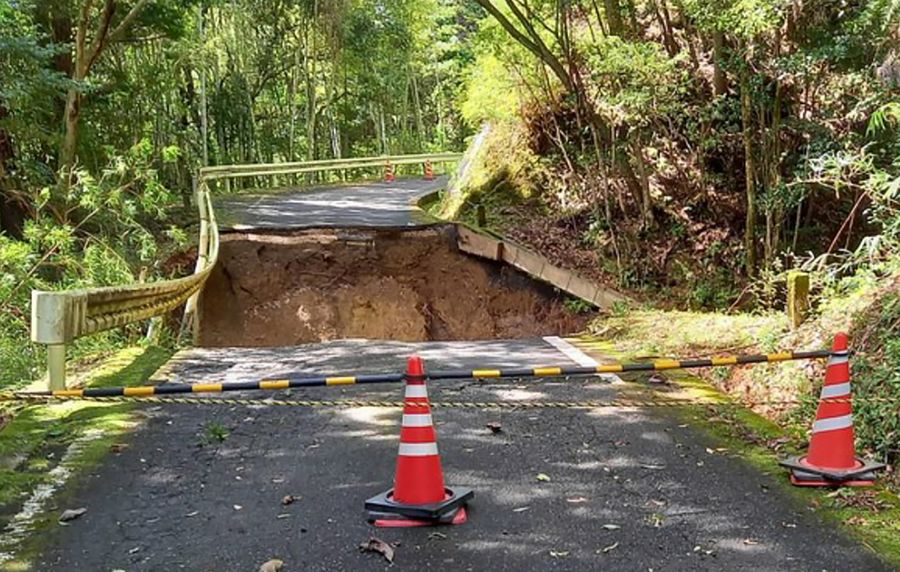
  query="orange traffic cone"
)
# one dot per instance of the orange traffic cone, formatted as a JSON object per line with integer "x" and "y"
{"x": 389, "y": 173}
{"x": 831, "y": 460}
{"x": 429, "y": 171}
{"x": 419, "y": 496}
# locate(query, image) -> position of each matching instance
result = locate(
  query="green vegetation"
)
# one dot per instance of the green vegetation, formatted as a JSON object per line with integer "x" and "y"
{"x": 693, "y": 153}
{"x": 108, "y": 108}
{"x": 689, "y": 148}
{"x": 690, "y": 152}
{"x": 35, "y": 437}
{"x": 213, "y": 433}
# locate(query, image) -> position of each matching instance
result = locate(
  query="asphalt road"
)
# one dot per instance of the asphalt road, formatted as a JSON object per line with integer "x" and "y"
{"x": 374, "y": 204}
{"x": 629, "y": 489}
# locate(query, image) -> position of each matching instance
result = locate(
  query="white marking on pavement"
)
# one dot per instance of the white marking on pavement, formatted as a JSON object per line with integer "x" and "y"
{"x": 571, "y": 351}
{"x": 579, "y": 356}
{"x": 22, "y": 523}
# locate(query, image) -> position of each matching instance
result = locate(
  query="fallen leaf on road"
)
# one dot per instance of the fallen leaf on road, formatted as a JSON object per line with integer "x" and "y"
{"x": 118, "y": 447}
{"x": 542, "y": 477}
{"x": 289, "y": 499}
{"x": 273, "y": 565}
{"x": 777, "y": 443}
{"x": 611, "y": 526}
{"x": 559, "y": 554}
{"x": 577, "y": 500}
{"x": 71, "y": 514}
{"x": 609, "y": 548}
{"x": 521, "y": 509}
{"x": 377, "y": 545}
{"x": 494, "y": 427}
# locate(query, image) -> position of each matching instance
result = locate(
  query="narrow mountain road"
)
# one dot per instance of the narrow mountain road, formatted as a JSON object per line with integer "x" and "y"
{"x": 200, "y": 488}
{"x": 377, "y": 204}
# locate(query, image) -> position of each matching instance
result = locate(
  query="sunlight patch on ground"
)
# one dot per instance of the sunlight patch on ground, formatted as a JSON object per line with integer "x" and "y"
{"x": 372, "y": 415}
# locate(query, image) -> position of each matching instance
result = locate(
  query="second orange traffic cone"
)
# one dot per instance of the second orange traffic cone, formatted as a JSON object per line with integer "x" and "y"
{"x": 419, "y": 496}
{"x": 831, "y": 459}
{"x": 389, "y": 173}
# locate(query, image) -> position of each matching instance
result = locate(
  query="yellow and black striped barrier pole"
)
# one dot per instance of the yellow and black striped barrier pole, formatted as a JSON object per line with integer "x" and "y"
{"x": 656, "y": 365}
{"x": 325, "y": 381}
{"x": 179, "y": 388}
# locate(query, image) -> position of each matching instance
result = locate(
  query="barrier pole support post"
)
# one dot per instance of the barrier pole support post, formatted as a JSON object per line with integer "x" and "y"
{"x": 797, "y": 297}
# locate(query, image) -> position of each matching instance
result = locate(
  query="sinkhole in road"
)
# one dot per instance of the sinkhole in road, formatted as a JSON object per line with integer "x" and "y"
{"x": 278, "y": 289}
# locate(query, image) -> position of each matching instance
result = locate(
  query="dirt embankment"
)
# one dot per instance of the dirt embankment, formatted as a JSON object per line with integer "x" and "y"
{"x": 277, "y": 289}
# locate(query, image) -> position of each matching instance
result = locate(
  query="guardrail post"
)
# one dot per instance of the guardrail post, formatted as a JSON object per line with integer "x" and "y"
{"x": 797, "y": 297}
{"x": 56, "y": 366}
{"x": 51, "y": 324}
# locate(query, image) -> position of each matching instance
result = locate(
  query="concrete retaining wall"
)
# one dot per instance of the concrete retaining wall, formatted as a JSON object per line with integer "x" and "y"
{"x": 473, "y": 242}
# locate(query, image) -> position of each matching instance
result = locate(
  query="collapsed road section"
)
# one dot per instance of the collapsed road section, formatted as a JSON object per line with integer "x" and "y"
{"x": 287, "y": 288}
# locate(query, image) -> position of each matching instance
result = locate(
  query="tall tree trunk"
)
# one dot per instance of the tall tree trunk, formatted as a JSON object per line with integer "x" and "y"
{"x": 420, "y": 125}
{"x": 12, "y": 215}
{"x": 637, "y": 151}
{"x": 775, "y": 206}
{"x": 70, "y": 126}
{"x": 750, "y": 172}
{"x": 720, "y": 82}
{"x": 86, "y": 55}
{"x": 665, "y": 22}
{"x": 614, "y": 17}
{"x": 204, "y": 115}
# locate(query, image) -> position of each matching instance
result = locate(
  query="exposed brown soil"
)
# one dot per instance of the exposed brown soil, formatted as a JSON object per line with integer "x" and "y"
{"x": 285, "y": 289}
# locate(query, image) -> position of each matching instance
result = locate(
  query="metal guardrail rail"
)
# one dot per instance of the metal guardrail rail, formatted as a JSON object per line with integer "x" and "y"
{"x": 58, "y": 318}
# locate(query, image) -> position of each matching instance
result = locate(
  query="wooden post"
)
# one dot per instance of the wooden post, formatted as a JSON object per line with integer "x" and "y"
{"x": 480, "y": 216}
{"x": 797, "y": 297}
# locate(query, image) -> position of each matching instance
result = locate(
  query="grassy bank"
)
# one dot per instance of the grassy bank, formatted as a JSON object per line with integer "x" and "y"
{"x": 37, "y": 436}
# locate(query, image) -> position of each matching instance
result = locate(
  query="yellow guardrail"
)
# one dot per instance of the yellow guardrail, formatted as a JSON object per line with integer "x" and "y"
{"x": 58, "y": 318}
{"x": 228, "y": 172}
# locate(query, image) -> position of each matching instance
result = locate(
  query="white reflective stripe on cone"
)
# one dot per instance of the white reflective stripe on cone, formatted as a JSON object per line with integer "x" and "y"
{"x": 417, "y": 420}
{"x": 836, "y": 390}
{"x": 416, "y": 391}
{"x": 832, "y": 423}
{"x": 417, "y": 449}
{"x": 837, "y": 360}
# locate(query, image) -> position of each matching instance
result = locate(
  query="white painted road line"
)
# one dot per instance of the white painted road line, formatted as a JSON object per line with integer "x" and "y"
{"x": 571, "y": 351}
{"x": 579, "y": 357}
